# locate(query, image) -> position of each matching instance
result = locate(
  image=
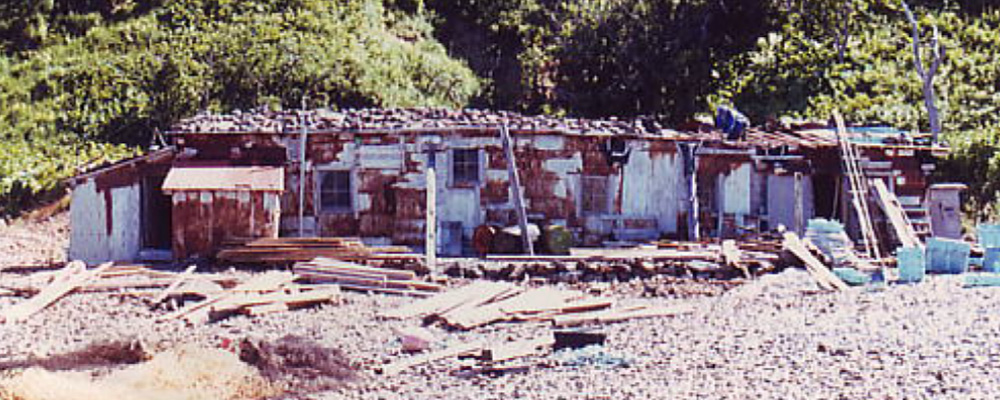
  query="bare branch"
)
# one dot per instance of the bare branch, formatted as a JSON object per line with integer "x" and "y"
{"x": 916, "y": 40}
{"x": 938, "y": 53}
{"x": 927, "y": 76}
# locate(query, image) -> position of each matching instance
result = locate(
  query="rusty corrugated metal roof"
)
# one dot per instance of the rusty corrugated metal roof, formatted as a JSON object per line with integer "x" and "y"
{"x": 225, "y": 178}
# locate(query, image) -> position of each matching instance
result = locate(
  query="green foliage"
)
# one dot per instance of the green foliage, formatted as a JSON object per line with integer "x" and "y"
{"x": 74, "y": 74}
{"x": 600, "y": 58}
{"x": 125, "y": 77}
{"x": 645, "y": 57}
{"x": 798, "y": 72}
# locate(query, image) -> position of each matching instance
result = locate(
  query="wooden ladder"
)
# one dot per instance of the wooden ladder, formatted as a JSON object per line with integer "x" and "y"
{"x": 859, "y": 188}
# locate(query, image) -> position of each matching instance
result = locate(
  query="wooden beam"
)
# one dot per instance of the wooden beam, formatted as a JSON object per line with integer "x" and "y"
{"x": 515, "y": 189}
{"x": 621, "y": 315}
{"x": 733, "y": 257}
{"x": 799, "y": 209}
{"x": 67, "y": 280}
{"x": 816, "y": 268}
{"x": 175, "y": 284}
{"x": 897, "y": 216}
{"x": 519, "y": 349}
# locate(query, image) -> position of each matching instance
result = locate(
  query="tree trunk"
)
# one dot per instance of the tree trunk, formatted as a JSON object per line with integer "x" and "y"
{"x": 927, "y": 75}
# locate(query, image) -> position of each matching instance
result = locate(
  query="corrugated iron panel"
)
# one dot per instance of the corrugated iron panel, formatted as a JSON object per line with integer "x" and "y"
{"x": 225, "y": 178}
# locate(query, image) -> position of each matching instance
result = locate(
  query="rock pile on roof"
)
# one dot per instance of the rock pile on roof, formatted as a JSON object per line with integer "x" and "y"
{"x": 411, "y": 119}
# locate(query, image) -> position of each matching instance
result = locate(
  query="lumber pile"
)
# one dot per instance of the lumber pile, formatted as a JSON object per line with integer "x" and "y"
{"x": 361, "y": 277}
{"x": 285, "y": 251}
{"x": 485, "y": 302}
{"x": 266, "y": 293}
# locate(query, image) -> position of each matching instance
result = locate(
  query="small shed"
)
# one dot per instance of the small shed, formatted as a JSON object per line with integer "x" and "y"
{"x": 213, "y": 205}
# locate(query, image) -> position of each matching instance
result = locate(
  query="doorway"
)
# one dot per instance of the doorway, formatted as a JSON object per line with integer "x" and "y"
{"x": 825, "y": 195}
{"x": 155, "y": 214}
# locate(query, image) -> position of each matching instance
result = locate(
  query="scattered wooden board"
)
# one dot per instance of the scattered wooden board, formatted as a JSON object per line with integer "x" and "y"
{"x": 733, "y": 257}
{"x": 454, "y": 351}
{"x": 528, "y": 302}
{"x": 824, "y": 277}
{"x": 69, "y": 279}
{"x": 175, "y": 284}
{"x": 618, "y": 315}
{"x": 200, "y": 312}
{"x": 523, "y": 348}
{"x": 447, "y": 301}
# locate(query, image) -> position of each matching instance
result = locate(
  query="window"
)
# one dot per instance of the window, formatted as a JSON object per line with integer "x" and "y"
{"x": 335, "y": 191}
{"x": 465, "y": 166}
{"x": 595, "y": 194}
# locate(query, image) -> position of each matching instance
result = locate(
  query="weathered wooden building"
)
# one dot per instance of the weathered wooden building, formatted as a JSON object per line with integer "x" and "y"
{"x": 362, "y": 173}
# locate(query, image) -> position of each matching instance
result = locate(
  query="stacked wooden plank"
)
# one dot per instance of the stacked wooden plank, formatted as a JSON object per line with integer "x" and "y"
{"x": 485, "y": 302}
{"x": 291, "y": 250}
{"x": 361, "y": 277}
{"x": 263, "y": 294}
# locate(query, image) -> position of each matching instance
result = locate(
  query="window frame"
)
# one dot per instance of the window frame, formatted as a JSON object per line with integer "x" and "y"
{"x": 586, "y": 195}
{"x": 454, "y": 164}
{"x": 321, "y": 207}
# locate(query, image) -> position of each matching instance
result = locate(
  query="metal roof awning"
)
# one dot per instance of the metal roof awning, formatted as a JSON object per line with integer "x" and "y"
{"x": 225, "y": 178}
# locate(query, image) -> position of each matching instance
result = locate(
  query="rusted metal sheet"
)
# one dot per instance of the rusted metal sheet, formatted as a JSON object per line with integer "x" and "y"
{"x": 225, "y": 178}
{"x": 387, "y": 152}
{"x": 204, "y": 220}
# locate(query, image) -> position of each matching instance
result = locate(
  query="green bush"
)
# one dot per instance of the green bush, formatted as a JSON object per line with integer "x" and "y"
{"x": 129, "y": 73}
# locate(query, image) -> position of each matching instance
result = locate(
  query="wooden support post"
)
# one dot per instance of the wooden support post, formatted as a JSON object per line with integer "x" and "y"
{"x": 688, "y": 151}
{"x": 800, "y": 223}
{"x": 430, "y": 241}
{"x": 515, "y": 188}
{"x": 303, "y": 138}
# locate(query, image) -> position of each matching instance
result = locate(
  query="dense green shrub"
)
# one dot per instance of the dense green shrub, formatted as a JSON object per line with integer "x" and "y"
{"x": 129, "y": 73}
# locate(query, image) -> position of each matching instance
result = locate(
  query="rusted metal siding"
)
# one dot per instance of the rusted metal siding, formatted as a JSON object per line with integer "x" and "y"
{"x": 389, "y": 174}
{"x": 106, "y": 206}
{"x": 104, "y": 222}
{"x": 204, "y": 220}
{"x": 646, "y": 193}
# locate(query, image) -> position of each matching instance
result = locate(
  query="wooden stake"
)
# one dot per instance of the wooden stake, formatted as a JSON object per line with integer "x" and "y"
{"x": 430, "y": 242}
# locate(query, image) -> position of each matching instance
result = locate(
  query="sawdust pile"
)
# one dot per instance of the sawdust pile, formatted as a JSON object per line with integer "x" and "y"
{"x": 298, "y": 365}
{"x": 184, "y": 373}
{"x": 95, "y": 355}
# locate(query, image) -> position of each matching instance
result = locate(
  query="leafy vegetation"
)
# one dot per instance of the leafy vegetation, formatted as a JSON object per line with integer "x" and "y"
{"x": 68, "y": 90}
{"x": 85, "y": 80}
{"x": 805, "y": 73}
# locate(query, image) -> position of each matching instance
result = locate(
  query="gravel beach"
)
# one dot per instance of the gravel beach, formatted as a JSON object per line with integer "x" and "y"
{"x": 775, "y": 337}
